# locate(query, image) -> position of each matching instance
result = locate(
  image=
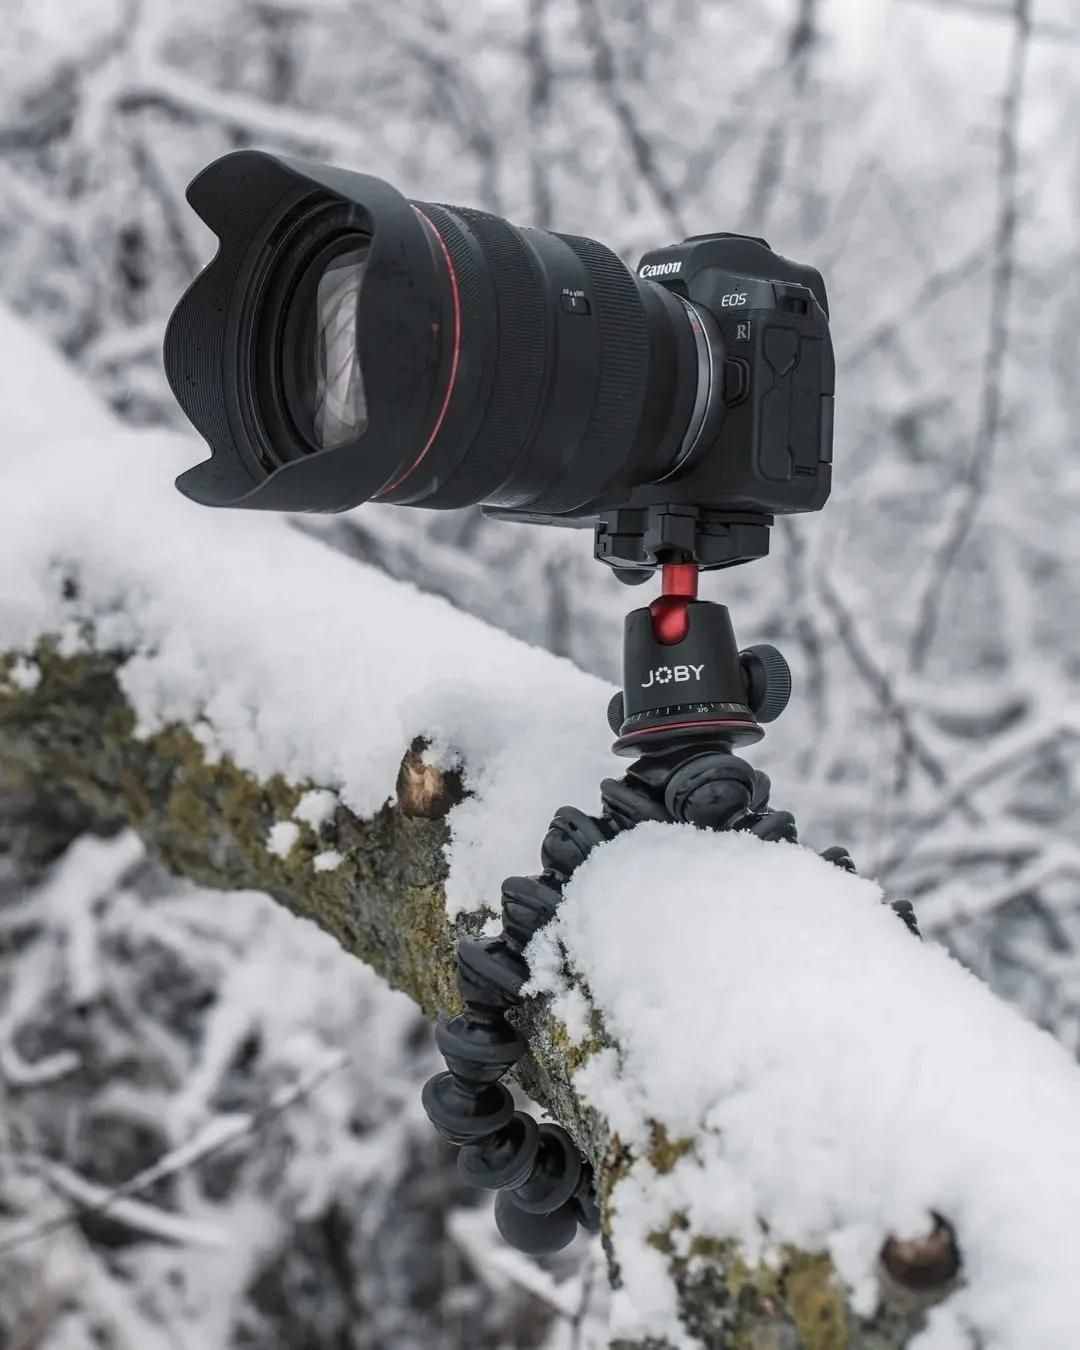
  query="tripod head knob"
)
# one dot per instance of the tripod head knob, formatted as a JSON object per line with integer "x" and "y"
{"x": 768, "y": 681}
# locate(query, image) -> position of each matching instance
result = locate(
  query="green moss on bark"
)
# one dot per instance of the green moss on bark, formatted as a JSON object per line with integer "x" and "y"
{"x": 211, "y": 821}
{"x": 664, "y": 1152}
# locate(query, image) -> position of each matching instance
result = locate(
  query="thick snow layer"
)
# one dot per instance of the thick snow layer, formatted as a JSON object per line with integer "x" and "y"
{"x": 840, "y": 1079}
{"x": 278, "y": 650}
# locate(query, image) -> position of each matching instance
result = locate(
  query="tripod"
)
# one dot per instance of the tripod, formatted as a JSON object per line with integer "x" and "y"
{"x": 689, "y": 695}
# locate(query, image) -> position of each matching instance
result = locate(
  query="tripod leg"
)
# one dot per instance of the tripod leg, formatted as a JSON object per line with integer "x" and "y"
{"x": 545, "y": 1187}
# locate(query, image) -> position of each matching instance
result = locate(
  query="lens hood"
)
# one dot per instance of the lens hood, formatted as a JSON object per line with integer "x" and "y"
{"x": 266, "y": 211}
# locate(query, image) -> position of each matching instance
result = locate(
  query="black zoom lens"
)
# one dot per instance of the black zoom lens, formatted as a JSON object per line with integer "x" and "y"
{"x": 347, "y": 345}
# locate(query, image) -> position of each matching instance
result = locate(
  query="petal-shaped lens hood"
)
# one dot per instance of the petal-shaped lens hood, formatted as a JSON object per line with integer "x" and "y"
{"x": 213, "y": 341}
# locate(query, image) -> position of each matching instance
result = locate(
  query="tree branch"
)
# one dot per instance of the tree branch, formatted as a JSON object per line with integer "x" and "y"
{"x": 641, "y": 148}
{"x": 210, "y": 822}
{"x": 220, "y": 1133}
{"x": 976, "y": 476}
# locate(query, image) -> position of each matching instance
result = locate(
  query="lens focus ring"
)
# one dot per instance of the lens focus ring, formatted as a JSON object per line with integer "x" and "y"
{"x": 504, "y": 335}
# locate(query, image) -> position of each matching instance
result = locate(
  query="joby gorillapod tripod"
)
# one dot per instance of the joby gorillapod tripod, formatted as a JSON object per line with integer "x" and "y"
{"x": 689, "y": 695}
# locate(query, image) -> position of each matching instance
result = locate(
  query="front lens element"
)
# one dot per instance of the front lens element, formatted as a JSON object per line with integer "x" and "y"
{"x": 340, "y": 406}
{"x": 323, "y": 376}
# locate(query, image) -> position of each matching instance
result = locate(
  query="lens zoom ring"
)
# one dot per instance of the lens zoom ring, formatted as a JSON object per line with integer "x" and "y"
{"x": 466, "y": 263}
{"x": 520, "y": 363}
{"x": 623, "y": 340}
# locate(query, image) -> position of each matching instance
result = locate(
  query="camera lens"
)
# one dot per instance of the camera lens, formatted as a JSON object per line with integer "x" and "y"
{"x": 349, "y": 345}
{"x": 323, "y": 377}
{"x": 571, "y": 378}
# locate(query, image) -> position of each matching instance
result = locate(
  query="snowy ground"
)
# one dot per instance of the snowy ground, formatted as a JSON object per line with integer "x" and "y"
{"x": 839, "y": 1079}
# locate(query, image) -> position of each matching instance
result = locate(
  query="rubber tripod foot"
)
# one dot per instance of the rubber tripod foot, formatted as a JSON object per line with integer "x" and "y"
{"x": 537, "y": 1234}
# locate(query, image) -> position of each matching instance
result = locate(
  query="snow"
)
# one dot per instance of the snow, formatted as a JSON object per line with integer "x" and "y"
{"x": 292, "y": 658}
{"x": 316, "y": 808}
{"x": 840, "y": 1080}
{"x": 328, "y": 860}
{"x": 144, "y": 1219}
{"x": 17, "y": 1073}
{"x": 281, "y": 837}
{"x": 64, "y": 905}
{"x": 24, "y": 675}
{"x": 36, "y": 384}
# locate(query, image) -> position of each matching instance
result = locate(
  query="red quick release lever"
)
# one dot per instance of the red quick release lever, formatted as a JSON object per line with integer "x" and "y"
{"x": 670, "y": 610}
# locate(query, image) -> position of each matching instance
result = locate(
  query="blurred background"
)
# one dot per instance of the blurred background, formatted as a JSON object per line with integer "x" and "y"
{"x": 924, "y": 155}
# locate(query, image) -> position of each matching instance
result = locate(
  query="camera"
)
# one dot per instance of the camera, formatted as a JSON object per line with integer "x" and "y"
{"x": 348, "y": 345}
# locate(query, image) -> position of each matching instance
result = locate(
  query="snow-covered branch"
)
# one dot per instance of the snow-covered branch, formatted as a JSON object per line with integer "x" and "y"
{"x": 801, "y": 1117}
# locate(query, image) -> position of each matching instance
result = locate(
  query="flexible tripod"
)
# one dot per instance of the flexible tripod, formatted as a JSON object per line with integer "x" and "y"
{"x": 688, "y": 696}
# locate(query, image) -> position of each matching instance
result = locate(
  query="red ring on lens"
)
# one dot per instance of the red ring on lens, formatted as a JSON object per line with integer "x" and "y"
{"x": 454, "y": 359}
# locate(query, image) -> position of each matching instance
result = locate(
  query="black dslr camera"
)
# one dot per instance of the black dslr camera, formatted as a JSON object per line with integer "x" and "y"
{"x": 347, "y": 345}
{"x": 765, "y": 441}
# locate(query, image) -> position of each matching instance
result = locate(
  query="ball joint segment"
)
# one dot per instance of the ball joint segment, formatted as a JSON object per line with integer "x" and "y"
{"x": 682, "y": 725}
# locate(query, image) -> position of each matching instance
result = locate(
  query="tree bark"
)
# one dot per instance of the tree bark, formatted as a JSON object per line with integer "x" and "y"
{"x": 69, "y": 753}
